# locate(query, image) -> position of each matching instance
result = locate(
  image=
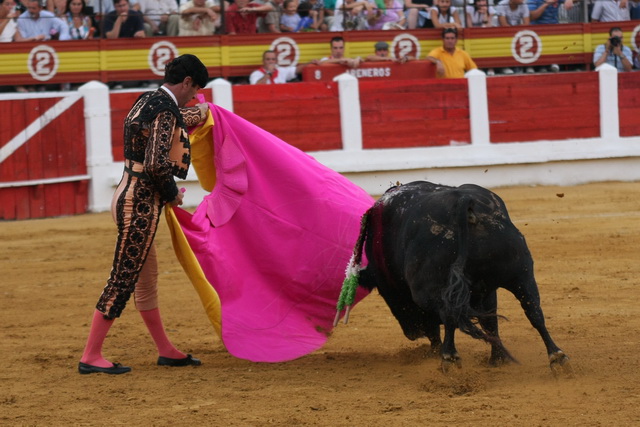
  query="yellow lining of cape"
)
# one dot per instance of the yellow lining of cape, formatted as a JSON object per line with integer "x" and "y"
{"x": 202, "y": 158}
{"x": 191, "y": 266}
{"x": 202, "y": 155}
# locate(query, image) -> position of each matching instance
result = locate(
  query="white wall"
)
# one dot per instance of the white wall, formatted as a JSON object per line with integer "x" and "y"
{"x": 567, "y": 162}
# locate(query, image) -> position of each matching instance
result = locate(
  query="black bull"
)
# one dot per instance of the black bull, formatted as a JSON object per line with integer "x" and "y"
{"x": 438, "y": 254}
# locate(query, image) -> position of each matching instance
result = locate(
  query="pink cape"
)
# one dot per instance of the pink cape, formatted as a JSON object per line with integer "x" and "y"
{"x": 272, "y": 240}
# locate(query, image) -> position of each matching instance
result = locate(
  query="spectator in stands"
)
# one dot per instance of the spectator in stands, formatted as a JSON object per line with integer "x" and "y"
{"x": 352, "y": 15}
{"x": 442, "y": 15}
{"x": 413, "y": 7}
{"x": 337, "y": 55}
{"x": 37, "y": 24}
{"x": 512, "y": 13}
{"x": 382, "y": 54}
{"x": 304, "y": 9}
{"x": 161, "y": 16}
{"x": 242, "y": 15}
{"x": 199, "y": 18}
{"x": 290, "y": 19}
{"x": 8, "y": 24}
{"x": 329, "y": 12}
{"x": 271, "y": 73}
{"x": 546, "y": 12}
{"x": 80, "y": 25}
{"x": 100, "y": 10}
{"x": 391, "y": 18}
{"x": 480, "y": 14}
{"x": 58, "y": 7}
{"x": 270, "y": 23}
{"x": 614, "y": 52}
{"x": 451, "y": 62}
{"x": 123, "y": 22}
{"x": 101, "y": 7}
{"x": 317, "y": 14}
{"x": 610, "y": 11}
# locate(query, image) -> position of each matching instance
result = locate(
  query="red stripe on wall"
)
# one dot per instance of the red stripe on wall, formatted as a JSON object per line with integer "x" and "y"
{"x": 305, "y": 115}
{"x": 415, "y": 113}
{"x": 628, "y": 104}
{"x": 544, "y": 107}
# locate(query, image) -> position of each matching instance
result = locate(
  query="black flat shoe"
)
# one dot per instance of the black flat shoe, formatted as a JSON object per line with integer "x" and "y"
{"x": 187, "y": 361}
{"x": 116, "y": 369}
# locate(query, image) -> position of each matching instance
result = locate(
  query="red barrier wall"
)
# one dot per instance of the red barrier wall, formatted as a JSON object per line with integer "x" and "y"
{"x": 306, "y": 115}
{"x": 544, "y": 107}
{"x": 629, "y": 104}
{"x": 58, "y": 150}
{"x": 414, "y": 113}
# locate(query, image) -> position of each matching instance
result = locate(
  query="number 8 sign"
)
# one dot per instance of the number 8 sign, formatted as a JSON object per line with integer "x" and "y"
{"x": 526, "y": 47}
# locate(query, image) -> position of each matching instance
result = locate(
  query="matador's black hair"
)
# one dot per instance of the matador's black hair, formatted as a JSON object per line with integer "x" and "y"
{"x": 186, "y": 66}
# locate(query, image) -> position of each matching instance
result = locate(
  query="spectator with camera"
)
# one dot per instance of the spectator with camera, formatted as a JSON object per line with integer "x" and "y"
{"x": 614, "y": 52}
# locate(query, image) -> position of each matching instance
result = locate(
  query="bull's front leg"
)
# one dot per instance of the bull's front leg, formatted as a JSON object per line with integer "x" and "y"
{"x": 450, "y": 356}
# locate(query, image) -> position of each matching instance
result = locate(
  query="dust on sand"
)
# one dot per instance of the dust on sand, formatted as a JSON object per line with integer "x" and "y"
{"x": 586, "y": 247}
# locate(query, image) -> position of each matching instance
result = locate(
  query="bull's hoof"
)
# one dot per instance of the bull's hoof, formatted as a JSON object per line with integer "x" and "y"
{"x": 434, "y": 350}
{"x": 449, "y": 361}
{"x": 560, "y": 365}
{"x": 499, "y": 361}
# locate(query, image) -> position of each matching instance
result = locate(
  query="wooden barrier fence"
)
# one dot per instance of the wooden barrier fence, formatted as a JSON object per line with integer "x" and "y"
{"x": 60, "y": 154}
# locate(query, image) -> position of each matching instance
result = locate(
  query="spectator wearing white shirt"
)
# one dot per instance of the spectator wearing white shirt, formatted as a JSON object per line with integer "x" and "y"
{"x": 161, "y": 16}
{"x": 8, "y": 25}
{"x": 610, "y": 11}
{"x": 199, "y": 18}
{"x": 271, "y": 73}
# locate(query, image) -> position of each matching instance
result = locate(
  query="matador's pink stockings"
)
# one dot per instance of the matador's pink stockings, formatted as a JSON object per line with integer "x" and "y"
{"x": 156, "y": 329}
{"x": 93, "y": 351}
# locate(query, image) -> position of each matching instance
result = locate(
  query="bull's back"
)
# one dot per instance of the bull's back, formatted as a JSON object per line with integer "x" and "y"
{"x": 423, "y": 223}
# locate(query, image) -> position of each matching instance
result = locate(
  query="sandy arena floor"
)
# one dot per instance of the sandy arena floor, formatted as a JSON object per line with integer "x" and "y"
{"x": 586, "y": 244}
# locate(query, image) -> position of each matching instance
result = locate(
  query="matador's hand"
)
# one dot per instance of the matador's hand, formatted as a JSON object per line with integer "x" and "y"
{"x": 204, "y": 107}
{"x": 178, "y": 200}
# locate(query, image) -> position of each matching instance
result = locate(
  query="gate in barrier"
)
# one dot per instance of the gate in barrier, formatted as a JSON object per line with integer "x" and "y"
{"x": 43, "y": 168}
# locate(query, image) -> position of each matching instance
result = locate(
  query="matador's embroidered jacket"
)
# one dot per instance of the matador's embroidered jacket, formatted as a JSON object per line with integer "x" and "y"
{"x": 155, "y": 135}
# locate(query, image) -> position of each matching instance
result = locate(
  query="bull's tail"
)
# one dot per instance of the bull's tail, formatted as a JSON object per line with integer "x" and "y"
{"x": 350, "y": 284}
{"x": 457, "y": 296}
